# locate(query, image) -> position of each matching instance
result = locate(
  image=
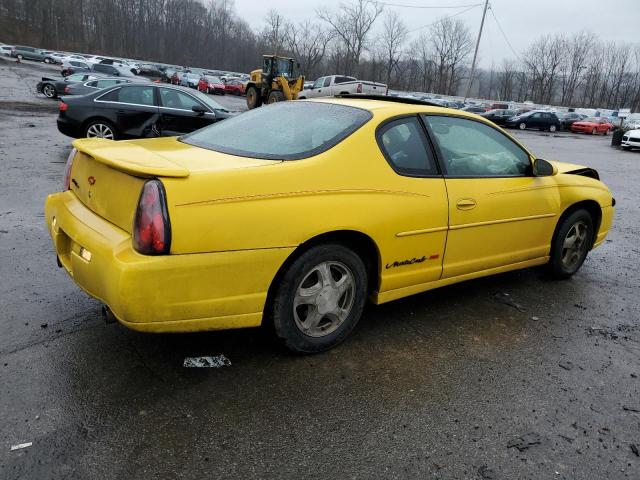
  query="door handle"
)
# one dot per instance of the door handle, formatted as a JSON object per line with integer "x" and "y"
{"x": 466, "y": 204}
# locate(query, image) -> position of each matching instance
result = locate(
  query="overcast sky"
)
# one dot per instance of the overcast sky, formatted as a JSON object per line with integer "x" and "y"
{"x": 521, "y": 20}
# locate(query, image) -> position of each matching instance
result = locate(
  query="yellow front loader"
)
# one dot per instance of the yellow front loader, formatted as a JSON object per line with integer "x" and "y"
{"x": 274, "y": 82}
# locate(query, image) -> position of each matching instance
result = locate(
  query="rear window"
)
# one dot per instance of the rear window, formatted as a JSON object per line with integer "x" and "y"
{"x": 281, "y": 131}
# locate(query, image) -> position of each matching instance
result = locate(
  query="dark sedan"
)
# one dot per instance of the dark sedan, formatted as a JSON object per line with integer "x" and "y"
{"x": 538, "y": 120}
{"x": 138, "y": 111}
{"x": 570, "y": 118}
{"x": 53, "y": 88}
{"x": 498, "y": 116}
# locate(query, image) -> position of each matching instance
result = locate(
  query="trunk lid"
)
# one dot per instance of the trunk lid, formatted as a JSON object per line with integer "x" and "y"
{"x": 107, "y": 176}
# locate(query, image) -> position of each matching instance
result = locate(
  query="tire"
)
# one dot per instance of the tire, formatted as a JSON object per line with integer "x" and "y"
{"x": 594, "y": 131}
{"x": 100, "y": 129}
{"x": 46, "y": 60}
{"x": 254, "y": 100}
{"x": 626, "y": 148}
{"x": 49, "y": 91}
{"x": 553, "y": 128}
{"x": 606, "y": 132}
{"x": 320, "y": 299}
{"x": 522, "y": 126}
{"x": 567, "y": 256}
{"x": 275, "y": 96}
{"x": 19, "y": 57}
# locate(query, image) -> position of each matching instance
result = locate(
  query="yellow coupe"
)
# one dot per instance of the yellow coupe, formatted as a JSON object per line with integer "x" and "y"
{"x": 295, "y": 214}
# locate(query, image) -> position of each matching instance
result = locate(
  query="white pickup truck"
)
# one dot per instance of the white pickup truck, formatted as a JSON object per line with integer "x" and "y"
{"x": 340, "y": 85}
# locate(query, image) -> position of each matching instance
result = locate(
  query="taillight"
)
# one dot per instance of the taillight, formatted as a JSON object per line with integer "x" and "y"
{"x": 151, "y": 227}
{"x": 359, "y": 88}
{"x": 66, "y": 90}
{"x": 67, "y": 169}
{"x": 63, "y": 107}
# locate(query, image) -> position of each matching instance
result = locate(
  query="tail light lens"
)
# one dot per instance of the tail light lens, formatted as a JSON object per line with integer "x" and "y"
{"x": 151, "y": 227}
{"x": 359, "y": 88}
{"x": 63, "y": 106}
{"x": 67, "y": 169}
{"x": 66, "y": 90}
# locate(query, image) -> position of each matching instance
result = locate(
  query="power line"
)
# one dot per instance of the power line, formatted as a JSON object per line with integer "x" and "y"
{"x": 502, "y": 31}
{"x": 443, "y": 18}
{"x": 402, "y": 5}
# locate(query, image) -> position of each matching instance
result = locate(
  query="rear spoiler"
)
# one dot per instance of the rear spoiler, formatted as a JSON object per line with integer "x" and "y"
{"x": 129, "y": 158}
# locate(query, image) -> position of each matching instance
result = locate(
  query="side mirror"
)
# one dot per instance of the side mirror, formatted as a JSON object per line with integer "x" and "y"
{"x": 199, "y": 109}
{"x": 542, "y": 168}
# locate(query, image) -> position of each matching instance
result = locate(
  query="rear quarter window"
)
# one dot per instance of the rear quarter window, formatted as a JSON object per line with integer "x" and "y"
{"x": 282, "y": 131}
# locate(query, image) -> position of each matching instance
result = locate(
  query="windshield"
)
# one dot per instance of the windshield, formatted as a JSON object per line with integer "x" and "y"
{"x": 312, "y": 128}
{"x": 591, "y": 120}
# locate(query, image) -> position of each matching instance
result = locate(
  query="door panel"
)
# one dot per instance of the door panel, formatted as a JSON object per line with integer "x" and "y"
{"x": 177, "y": 116}
{"x": 513, "y": 220}
{"x": 499, "y": 213}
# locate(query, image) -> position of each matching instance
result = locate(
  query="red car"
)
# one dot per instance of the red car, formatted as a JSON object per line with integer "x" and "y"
{"x": 210, "y": 84}
{"x": 233, "y": 86}
{"x": 592, "y": 125}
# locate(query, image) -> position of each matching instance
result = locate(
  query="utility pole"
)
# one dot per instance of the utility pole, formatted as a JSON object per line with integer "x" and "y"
{"x": 475, "y": 53}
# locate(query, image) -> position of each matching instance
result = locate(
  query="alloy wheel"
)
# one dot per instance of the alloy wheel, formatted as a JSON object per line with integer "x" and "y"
{"x": 49, "y": 91}
{"x": 100, "y": 130}
{"x": 324, "y": 299}
{"x": 575, "y": 245}
{"x": 522, "y": 126}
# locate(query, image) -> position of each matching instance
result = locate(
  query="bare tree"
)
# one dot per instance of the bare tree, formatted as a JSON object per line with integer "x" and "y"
{"x": 452, "y": 45}
{"x": 274, "y": 31}
{"x": 352, "y": 24}
{"x": 394, "y": 36}
{"x": 308, "y": 42}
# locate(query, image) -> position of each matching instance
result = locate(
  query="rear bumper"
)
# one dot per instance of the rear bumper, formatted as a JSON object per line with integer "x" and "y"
{"x": 68, "y": 128}
{"x": 170, "y": 293}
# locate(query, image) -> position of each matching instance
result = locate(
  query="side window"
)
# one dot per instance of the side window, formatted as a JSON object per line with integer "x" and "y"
{"x": 93, "y": 84}
{"x": 171, "y": 98}
{"x": 473, "y": 149}
{"x": 405, "y": 147}
{"x": 138, "y": 95}
{"x": 318, "y": 83}
{"x": 327, "y": 81}
{"x": 105, "y": 83}
{"x": 537, "y": 116}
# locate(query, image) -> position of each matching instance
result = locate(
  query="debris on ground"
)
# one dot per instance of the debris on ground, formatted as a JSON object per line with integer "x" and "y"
{"x": 486, "y": 473}
{"x": 525, "y": 441}
{"x": 44, "y": 325}
{"x": 634, "y": 449}
{"x": 215, "y": 361}
{"x": 20, "y": 446}
{"x": 566, "y": 365}
{"x": 506, "y": 299}
{"x": 627, "y": 408}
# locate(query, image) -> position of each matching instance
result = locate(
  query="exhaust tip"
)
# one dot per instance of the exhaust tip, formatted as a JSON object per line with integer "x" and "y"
{"x": 107, "y": 315}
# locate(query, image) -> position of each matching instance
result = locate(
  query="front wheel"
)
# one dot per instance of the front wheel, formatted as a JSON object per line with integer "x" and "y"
{"x": 19, "y": 57}
{"x": 594, "y": 131}
{"x": 254, "y": 100}
{"x": 522, "y": 126}
{"x": 606, "y": 132}
{"x": 46, "y": 60}
{"x": 319, "y": 299}
{"x": 571, "y": 243}
{"x": 275, "y": 96}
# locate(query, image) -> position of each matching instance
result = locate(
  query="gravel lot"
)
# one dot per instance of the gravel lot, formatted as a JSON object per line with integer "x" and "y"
{"x": 509, "y": 377}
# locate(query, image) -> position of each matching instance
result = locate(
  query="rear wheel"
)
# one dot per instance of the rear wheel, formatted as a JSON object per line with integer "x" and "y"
{"x": 275, "y": 96}
{"x": 571, "y": 243}
{"x": 606, "y": 132}
{"x": 47, "y": 60}
{"x": 49, "y": 90}
{"x": 19, "y": 57}
{"x": 319, "y": 299}
{"x": 254, "y": 100}
{"x": 100, "y": 129}
{"x": 553, "y": 128}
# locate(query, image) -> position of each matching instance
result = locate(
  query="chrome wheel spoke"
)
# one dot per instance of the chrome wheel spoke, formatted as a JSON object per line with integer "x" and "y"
{"x": 321, "y": 303}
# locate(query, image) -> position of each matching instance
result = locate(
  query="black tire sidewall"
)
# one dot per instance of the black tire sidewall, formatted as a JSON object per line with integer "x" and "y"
{"x": 557, "y": 269}
{"x": 282, "y": 304}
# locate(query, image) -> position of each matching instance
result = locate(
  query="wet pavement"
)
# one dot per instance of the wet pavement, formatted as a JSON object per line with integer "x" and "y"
{"x": 509, "y": 377}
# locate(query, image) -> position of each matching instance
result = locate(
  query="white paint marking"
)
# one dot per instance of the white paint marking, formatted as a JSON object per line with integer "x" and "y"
{"x": 21, "y": 445}
{"x": 215, "y": 361}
